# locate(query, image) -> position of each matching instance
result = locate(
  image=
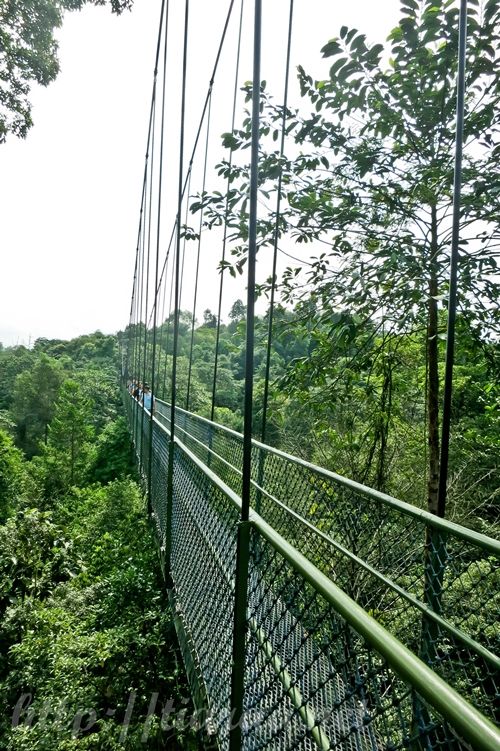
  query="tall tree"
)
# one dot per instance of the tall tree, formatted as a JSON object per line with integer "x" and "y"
{"x": 71, "y": 432}
{"x": 33, "y": 400}
{"x": 372, "y": 185}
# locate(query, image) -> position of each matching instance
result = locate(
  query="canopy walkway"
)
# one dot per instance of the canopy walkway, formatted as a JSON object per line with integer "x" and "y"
{"x": 313, "y": 613}
{"x": 365, "y": 628}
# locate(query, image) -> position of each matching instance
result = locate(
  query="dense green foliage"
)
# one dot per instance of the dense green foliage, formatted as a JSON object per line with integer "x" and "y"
{"x": 356, "y": 366}
{"x": 28, "y": 54}
{"x": 87, "y": 645}
{"x": 358, "y": 409}
{"x": 366, "y": 181}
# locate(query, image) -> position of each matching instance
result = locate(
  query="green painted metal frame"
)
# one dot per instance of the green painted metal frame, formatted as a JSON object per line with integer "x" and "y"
{"x": 469, "y": 722}
{"x": 486, "y": 543}
{"x": 476, "y": 729}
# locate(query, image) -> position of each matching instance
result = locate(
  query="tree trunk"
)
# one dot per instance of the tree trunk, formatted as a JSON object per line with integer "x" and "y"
{"x": 433, "y": 377}
{"x": 385, "y": 417}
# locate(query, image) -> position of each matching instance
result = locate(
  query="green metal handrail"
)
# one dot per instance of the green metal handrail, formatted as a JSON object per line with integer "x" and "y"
{"x": 486, "y": 543}
{"x": 474, "y": 727}
{"x": 466, "y": 720}
{"x": 491, "y": 658}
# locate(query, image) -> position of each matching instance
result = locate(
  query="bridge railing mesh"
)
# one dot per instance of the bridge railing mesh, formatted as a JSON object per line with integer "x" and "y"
{"x": 320, "y": 672}
{"x": 202, "y": 562}
{"x": 434, "y": 585}
{"x": 315, "y": 682}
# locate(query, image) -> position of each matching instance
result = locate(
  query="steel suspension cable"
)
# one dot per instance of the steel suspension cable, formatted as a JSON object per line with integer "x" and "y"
{"x": 157, "y": 255}
{"x": 186, "y": 215}
{"x": 134, "y": 291}
{"x": 167, "y": 342}
{"x": 276, "y": 230}
{"x": 224, "y": 238}
{"x": 148, "y": 245}
{"x": 168, "y": 331}
{"x": 131, "y": 316}
{"x": 178, "y": 238}
{"x": 252, "y": 254}
{"x": 452, "y": 298}
{"x": 243, "y": 541}
{"x": 162, "y": 324}
{"x": 139, "y": 249}
{"x": 176, "y": 270}
{"x": 202, "y": 118}
{"x": 146, "y": 284}
{"x": 140, "y": 304}
{"x": 153, "y": 95}
{"x": 200, "y": 229}
{"x": 141, "y": 219}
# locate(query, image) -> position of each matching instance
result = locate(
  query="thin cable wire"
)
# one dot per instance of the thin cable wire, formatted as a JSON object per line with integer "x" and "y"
{"x": 168, "y": 331}
{"x": 151, "y": 110}
{"x": 202, "y": 119}
{"x": 193, "y": 315}
{"x": 186, "y": 216}
{"x": 148, "y": 245}
{"x": 452, "y": 297}
{"x": 276, "y": 231}
{"x": 252, "y": 253}
{"x": 158, "y": 225}
{"x": 162, "y": 325}
{"x": 178, "y": 239}
{"x": 224, "y": 239}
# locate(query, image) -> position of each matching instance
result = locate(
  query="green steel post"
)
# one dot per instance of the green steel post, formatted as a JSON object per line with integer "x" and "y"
{"x": 435, "y": 562}
{"x": 239, "y": 634}
{"x": 477, "y": 730}
{"x": 243, "y": 541}
{"x": 170, "y": 500}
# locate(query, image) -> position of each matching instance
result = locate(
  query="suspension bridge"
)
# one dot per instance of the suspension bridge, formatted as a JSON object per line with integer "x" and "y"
{"x": 312, "y": 612}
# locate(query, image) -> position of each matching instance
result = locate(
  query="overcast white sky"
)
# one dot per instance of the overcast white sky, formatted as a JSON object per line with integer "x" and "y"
{"x": 70, "y": 192}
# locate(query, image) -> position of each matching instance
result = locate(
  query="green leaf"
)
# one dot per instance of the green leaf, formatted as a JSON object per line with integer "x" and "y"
{"x": 331, "y": 48}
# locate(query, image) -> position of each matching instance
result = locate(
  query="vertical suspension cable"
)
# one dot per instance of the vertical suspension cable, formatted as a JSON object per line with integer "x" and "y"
{"x": 136, "y": 305}
{"x": 131, "y": 316}
{"x": 198, "y": 254}
{"x": 162, "y": 318}
{"x": 252, "y": 252}
{"x": 157, "y": 258}
{"x": 172, "y": 278}
{"x": 148, "y": 244}
{"x": 171, "y": 445}
{"x": 140, "y": 267}
{"x": 134, "y": 295}
{"x": 202, "y": 119}
{"x": 243, "y": 541}
{"x": 141, "y": 298}
{"x": 139, "y": 240}
{"x": 224, "y": 238}
{"x": 186, "y": 215}
{"x": 178, "y": 238}
{"x": 139, "y": 336}
{"x": 276, "y": 232}
{"x": 452, "y": 297}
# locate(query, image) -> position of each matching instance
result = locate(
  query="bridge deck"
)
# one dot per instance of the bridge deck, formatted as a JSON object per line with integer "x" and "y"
{"x": 314, "y": 680}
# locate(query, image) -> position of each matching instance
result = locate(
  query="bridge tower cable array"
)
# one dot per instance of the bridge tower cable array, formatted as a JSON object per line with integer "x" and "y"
{"x": 312, "y": 611}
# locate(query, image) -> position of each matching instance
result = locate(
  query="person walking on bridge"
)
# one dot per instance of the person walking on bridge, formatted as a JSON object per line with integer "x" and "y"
{"x": 148, "y": 400}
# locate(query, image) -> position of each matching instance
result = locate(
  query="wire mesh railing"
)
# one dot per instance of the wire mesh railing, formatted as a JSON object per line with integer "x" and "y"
{"x": 320, "y": 671}
{"x": 433, "y": 584}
